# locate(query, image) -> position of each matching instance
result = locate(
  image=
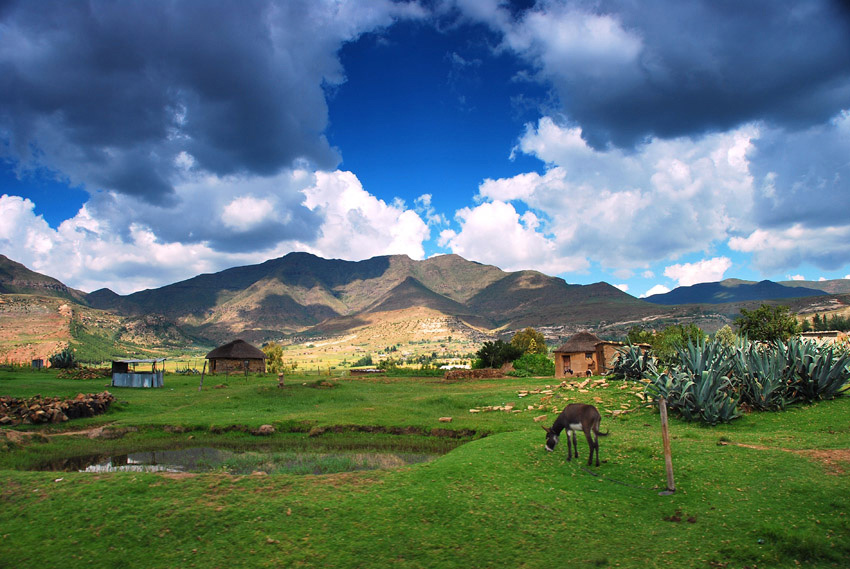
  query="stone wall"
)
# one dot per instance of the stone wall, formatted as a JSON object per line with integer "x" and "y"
{"x": 40, "y": 409}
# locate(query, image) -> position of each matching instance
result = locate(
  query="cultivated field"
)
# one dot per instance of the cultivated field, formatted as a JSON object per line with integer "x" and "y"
{"x": 768, "y": 490}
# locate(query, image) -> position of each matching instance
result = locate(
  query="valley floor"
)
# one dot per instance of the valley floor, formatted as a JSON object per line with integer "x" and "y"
{"x": 768, "y": 490}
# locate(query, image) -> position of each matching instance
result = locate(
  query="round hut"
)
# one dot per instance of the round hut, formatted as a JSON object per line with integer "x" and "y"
{"x": 577, "y": 356}
{"x": 237, "y": 356}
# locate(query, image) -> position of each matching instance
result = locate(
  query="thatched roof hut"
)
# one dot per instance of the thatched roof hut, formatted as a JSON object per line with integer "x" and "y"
{"x": 583, "y": 342}
{"x": 585, "y": 354}
{"x": 236, "y": 356}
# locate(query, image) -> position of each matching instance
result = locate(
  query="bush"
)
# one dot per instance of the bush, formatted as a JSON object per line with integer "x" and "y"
{"x": 364, "y": 361}
{"x": 496, "y": 354}
{"x": 529, "y": 365}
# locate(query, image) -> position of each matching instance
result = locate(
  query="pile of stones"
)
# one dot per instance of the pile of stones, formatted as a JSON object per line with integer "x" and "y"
{"x": 38, "y": 409}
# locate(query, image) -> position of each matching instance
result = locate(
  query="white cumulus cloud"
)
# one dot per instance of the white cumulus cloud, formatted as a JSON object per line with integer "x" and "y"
{"x": 707, "y": 270}
{"x": 657, "y": 289}
{"x": 357, "y": 225}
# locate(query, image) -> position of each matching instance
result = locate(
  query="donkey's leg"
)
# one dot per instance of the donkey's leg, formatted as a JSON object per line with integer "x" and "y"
{"x": 575, "y": 445}
{"x": 588, "y": 434}
{"x": 569, "y": 447}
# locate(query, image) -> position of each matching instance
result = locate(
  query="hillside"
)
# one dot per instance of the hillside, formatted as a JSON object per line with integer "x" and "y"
{"x": 301, "y": 292}
{"x": 15, "y": 278}
{"x": 731, "y": 290}
{"x": 36, "y": 327}
{"x": 383, "y": 301}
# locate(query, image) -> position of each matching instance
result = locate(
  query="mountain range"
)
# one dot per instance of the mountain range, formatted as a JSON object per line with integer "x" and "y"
{"x": 734, "y": 290}
{"x": 307, "y": 296}
{"x": 300, "y": 293}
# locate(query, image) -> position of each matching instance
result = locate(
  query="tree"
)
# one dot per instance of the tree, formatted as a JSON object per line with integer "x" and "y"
{"x": 274, "y": 357}
{"x": 530, "y": 341}
{"x": 665, "y": 344}
{"x": 498, "y": 353}
{"x": 767, "y": 323}
{"x": 639, "y": 335}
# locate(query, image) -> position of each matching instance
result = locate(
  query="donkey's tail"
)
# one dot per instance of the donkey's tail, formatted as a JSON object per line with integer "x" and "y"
{"x": 605, "y": 434}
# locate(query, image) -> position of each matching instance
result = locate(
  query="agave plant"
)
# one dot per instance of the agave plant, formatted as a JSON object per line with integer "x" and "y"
{"x": 762, "y": 376}
{"x": 634, "y": 363}
{"x": 819, "y": 372}
{"x": 708, "y": 397}
{"x": 64, "y": 359}
{"x": 706, "y": 356}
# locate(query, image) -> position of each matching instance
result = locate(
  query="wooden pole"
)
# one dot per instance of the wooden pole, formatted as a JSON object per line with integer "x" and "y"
{"x": 202, "y": 375}
{"x": 668, "y": 456}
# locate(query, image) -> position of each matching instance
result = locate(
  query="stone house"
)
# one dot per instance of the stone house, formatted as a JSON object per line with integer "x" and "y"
{"x": 585, "y": 352}
{"x": 237, "y": 356}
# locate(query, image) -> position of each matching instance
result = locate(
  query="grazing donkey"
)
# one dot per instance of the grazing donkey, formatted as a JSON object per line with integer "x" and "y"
{"x": 576, "y": 417}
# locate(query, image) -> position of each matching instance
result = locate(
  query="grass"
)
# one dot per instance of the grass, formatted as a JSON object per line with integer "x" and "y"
{"x": 744, "y": 498}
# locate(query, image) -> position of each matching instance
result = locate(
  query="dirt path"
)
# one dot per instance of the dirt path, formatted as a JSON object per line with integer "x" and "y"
{"x": 835, "y": 460}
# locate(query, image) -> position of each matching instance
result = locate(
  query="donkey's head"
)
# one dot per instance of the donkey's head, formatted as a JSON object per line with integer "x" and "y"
{"x": 551, "y": 439}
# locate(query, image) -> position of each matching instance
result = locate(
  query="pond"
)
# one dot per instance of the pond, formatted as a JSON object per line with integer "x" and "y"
{"x": 207, "y": 459}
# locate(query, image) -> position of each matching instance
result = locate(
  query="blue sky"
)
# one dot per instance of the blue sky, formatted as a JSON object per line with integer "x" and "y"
{"x": 648, "y": 146}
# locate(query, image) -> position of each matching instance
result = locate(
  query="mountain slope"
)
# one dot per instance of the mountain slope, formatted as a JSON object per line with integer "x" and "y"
{"x": 15, "y": 278}
{"x": 300, "y": 291}
{"x": 730, "y": 290}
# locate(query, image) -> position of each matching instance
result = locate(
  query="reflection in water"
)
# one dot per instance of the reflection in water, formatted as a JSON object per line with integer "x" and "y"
{"x": 184, "y": 460}
{"x": 205, "y": 459}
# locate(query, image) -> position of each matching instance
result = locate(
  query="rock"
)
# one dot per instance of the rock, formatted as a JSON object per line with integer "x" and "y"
{"x": 96, "y": 433}
{"x": 540, "y": 418}
{"x": 445, "y": 419}
{"x": 263, "y": 431}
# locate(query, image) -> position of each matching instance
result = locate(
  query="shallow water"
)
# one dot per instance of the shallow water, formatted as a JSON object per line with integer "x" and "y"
{"x": 206, "y": 459}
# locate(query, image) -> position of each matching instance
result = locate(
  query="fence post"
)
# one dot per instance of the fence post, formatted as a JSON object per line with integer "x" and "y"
{"x": 202, "y": 375}
{"x": 668, "y": 456}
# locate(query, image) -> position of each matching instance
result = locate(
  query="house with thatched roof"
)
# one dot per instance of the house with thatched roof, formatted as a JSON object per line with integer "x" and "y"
{"x": 237, "y": 356}
{"x": 585, "y": 354}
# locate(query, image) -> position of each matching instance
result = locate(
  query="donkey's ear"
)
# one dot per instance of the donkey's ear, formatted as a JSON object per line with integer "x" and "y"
{"x": 545, "y": 428}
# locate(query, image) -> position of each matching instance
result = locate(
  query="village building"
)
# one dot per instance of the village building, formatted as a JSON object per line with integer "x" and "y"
{"x": 585, "y": 354}
{"x": 825, "y": 336}
{"x": 237, "y": 356}
{"x": 125, "y": 373}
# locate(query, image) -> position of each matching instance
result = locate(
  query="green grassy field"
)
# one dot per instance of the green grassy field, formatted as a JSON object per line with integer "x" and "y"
{"x": 768, "y": 490}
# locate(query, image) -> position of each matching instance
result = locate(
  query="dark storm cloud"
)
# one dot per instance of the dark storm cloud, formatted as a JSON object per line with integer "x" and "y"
{"x": 109, "y": 94}
{"x": 803, "y": 176}
{"x": 670, "y": 69}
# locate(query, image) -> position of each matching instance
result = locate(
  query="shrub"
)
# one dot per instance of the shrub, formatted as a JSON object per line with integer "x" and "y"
{"x": 364, "y": 361}
{"x": 496, "y": 354}
{"x": 529, "y": 365}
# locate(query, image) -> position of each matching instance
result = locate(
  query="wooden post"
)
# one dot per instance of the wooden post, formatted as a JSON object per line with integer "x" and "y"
{"x": 668, "y": 456}
{"x": 201, "y": 385}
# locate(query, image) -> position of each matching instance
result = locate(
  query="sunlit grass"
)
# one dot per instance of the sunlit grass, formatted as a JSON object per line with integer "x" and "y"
{"x": 746, "y": 494}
